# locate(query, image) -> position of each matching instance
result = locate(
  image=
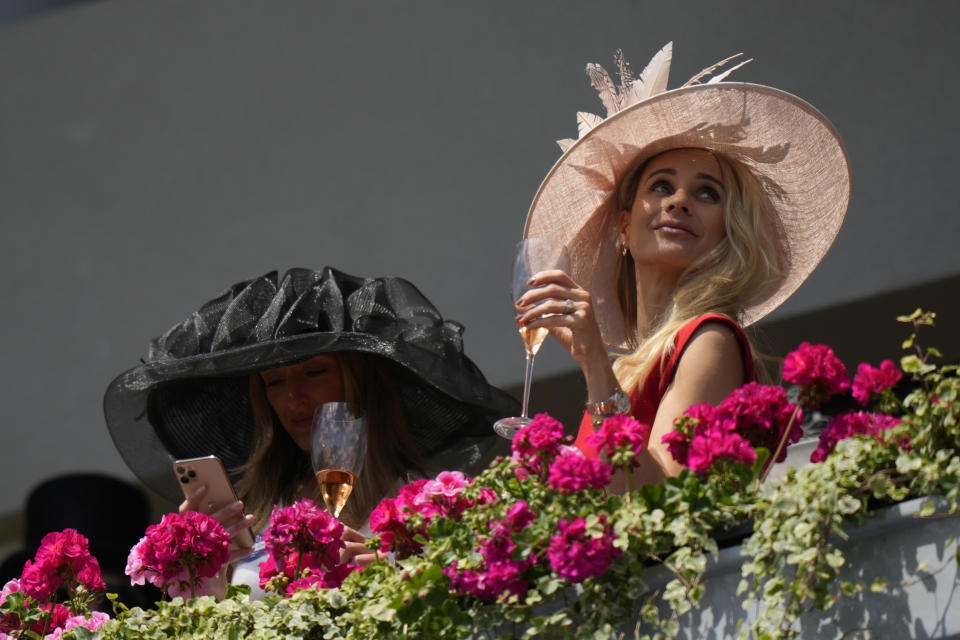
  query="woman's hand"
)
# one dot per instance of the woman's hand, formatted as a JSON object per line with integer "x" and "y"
{"x": 231, "y": 517}
{"x": 559, "y": 304}
{"x": 565, "y": 308}
{"x": 356, "y": 551}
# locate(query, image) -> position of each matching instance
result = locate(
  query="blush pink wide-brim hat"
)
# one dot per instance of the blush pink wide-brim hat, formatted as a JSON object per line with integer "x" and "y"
{"x": 789, "y": 146}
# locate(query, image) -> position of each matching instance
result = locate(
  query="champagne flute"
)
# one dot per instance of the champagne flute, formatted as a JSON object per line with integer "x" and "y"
{"x": 338, "y": 445}
{"x": 532, "y": 256}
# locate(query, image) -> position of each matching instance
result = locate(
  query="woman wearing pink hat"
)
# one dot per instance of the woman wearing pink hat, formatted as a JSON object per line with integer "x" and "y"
{"x": 687, "y": 215}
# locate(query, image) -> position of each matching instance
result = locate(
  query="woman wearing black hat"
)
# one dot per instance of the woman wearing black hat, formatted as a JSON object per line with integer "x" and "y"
{"x": 240, "y": 376}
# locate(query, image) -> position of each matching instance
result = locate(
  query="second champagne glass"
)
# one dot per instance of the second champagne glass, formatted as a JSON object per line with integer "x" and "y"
{"x": 338, "y": 446}
{"x": 532, "y": 256}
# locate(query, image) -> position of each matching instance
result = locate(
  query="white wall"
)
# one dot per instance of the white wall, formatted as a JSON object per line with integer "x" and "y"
{"x": 152, "y": 153}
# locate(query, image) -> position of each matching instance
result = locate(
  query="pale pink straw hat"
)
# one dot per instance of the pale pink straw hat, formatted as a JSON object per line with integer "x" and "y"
{"x": 789, "y": 146}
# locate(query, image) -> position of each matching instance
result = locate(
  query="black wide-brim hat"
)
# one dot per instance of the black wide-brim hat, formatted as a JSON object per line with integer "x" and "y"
{"x": 190, "y": 397}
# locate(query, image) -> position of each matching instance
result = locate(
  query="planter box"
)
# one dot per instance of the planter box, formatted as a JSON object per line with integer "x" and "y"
{"x": 891, "y": 544}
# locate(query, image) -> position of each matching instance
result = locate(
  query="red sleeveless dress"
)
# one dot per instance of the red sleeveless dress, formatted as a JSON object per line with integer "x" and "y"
{"x": 645, "y": 402}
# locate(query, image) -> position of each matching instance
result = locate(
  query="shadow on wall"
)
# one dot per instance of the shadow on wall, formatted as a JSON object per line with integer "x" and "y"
{"x": 13, "y": 10}
{"x": 112, "y": 514}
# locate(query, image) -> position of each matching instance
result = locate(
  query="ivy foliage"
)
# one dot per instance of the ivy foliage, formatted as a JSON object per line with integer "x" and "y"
{"x": 794, "y": 561}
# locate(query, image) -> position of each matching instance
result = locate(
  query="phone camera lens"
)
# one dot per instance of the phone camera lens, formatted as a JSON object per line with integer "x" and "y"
{"x": 192, "y": 473}
{"x": 184, "y": 479}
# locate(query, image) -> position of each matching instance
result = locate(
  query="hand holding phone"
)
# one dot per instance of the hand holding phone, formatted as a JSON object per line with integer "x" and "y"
{"x": 208, "y": 471}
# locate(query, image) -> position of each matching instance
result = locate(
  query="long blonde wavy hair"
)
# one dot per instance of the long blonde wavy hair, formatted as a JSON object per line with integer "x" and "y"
{"x": 278, "y": 472}
{"x": 743, "y": 265}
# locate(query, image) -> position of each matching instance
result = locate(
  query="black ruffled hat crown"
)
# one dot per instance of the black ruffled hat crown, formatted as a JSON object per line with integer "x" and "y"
{"x": 190, "y": 397}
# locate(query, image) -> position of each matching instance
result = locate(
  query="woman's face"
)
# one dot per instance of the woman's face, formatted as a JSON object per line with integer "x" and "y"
{"x": 677, "y": 213}
{"x": 294, "y": 392}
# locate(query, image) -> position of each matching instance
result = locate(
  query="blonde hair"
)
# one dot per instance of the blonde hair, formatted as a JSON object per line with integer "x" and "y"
{"x": 278, "y": 470}
{"x": 742, "y": 266}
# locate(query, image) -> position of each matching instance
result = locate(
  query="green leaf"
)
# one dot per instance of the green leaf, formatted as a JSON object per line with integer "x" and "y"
{"x": 910, "y": 318}
{"x": 907, "y": 463}
{"x": 834, "y": 558}
{"x": 910, "y": 364}
{"x": 234, "y": 590}
{"x": 674, "y": 591}
{"x": 551, "y": 585}
{"x": 927, "y": 318}
{"x": 802, "y": 557}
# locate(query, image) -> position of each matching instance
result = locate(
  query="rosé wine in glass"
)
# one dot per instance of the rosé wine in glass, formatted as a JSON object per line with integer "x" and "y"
{"x": 338, "y": 446}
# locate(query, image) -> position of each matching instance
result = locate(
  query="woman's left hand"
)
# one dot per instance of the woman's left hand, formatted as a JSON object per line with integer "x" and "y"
{"x": 356, "y": 551}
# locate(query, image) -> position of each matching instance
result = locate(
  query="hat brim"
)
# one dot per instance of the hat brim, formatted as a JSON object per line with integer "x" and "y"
{"x": 212, "y": 413}
{"x": 789, "y": 146}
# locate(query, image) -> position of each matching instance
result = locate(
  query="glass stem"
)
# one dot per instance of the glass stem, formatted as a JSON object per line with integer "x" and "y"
{"x": 528, "y": 376}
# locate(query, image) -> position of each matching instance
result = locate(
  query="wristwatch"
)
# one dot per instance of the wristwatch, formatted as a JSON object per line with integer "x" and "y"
{"x": 618, "y": 402}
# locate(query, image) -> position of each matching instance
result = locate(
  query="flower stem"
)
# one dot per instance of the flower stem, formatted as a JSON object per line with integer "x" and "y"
{"x": 780, "y": 447}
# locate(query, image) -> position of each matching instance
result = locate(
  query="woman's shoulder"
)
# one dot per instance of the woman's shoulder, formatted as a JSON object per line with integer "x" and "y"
{"x": 714, "y": 341}
{"x": 709, "y": 342}
{"x": 715, "y": 323}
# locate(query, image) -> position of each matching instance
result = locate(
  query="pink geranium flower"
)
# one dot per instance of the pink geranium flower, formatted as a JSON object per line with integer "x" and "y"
{"x": 678, "y": 440}
{"x": 502, "y": 571}
{"x": 9, "y": 621}
{"x": 180, "y": 554}
{"x": 622, "y": 436}
{"x": 519, "y": 516}
{"x": 448, "y": 484}
{"x": 487, "y": 496}
{"x": 577, "y": 555}
{"x": 714, "y": 444}
{"x": 304, "y": 544}
{"x": 492, "y": 582}
{"x": 851, "y": 424}
{"x": 399, "y": 521}
{"x": 870, "y": 382}
{"x": 817, "y": 371}
{"x": 760, "y": 414}
{"x": 389, "y": 520}
{"x": 752, "y": 416}
{"x": 93, "y": 623}
{"x": 63, "y": 559}
{"x": 55, "y": 617}
{"x": 542, "y": 435}
{"x": 572, "y": 471}
{"x": 443, "y": 496}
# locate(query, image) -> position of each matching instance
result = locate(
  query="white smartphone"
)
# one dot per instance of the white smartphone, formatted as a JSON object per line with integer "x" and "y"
{"x": 209, "y": 471}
